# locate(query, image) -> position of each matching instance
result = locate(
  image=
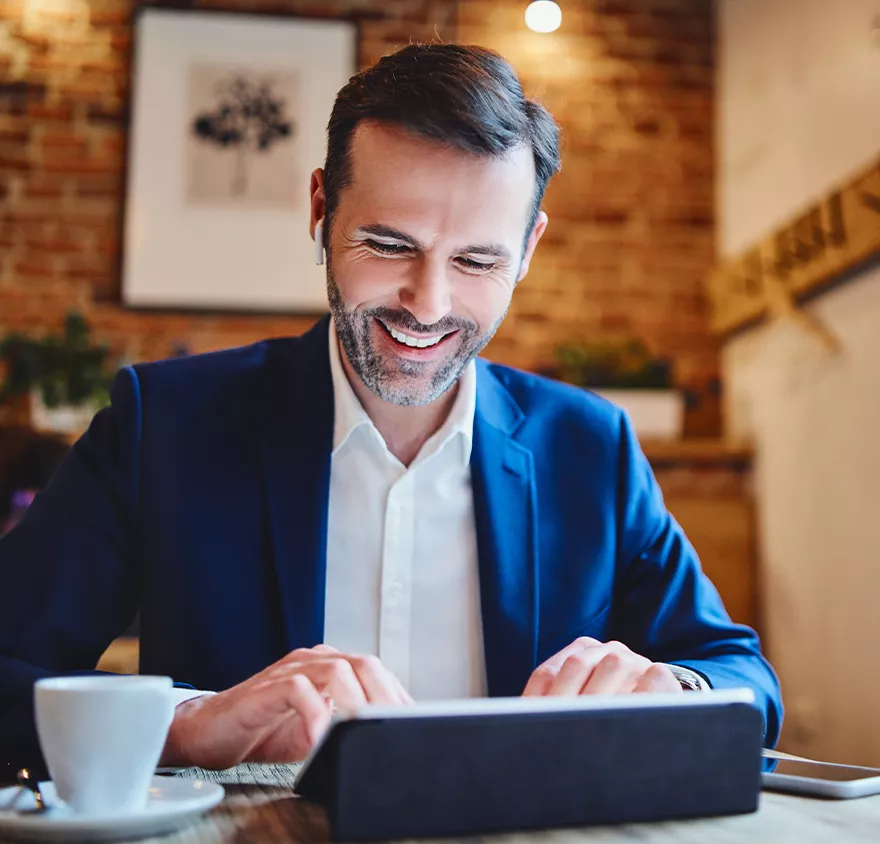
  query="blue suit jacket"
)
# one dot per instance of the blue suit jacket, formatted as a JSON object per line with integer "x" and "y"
{"x": 200, "y": 498}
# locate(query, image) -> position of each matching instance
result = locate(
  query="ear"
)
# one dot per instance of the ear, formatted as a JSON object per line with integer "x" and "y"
{"x": 531, "y": 244}
{"x": 318, "y": 200}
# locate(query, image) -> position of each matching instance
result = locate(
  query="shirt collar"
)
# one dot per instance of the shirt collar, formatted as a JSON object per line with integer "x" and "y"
{"x": 349, "y": 414}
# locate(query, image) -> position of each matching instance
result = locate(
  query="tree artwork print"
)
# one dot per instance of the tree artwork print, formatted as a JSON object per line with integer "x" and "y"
{"x": 243, "y": 132}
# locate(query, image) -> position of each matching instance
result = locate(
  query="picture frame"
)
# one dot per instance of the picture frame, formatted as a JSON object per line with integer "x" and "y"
{"x": 228, "y": 120}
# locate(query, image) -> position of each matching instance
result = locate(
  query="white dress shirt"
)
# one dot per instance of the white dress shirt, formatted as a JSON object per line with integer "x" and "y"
{"x": 402, "y": 578}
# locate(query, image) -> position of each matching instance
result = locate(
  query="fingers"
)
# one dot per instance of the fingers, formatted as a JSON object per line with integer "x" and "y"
{"x": 544, "y": 675}
{"x": 658, "y": 678}
{"x": 580, "y": 644}
{"x": 262, "y": 706}
{"x": 312, "y": 708}
{"x": 613, "y": 675}
{"x": 337, "y": 679}
{"x": 587, "y": 666}
{"x": 295, "y": 718}
{"x": 224, "y": 729}
{"x": 349, "y": 679}
{"x": 575, "y": 672}
{"x": 405, "y": 696}
{"x": 269, "y": 705}
{"x": 378, "y": 683}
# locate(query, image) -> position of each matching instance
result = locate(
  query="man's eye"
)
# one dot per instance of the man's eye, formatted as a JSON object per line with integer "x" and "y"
{"x": 476, "y": 266}
{"x": 387, "y": 248}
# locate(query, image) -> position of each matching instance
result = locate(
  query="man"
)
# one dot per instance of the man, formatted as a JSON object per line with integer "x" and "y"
{"x": 366, "y": 513}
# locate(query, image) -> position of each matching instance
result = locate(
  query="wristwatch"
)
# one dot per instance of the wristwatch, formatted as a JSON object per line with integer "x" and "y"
{"x": 689, "y": 680}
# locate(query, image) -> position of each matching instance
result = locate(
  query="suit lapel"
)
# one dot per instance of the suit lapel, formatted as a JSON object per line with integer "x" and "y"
{"x": 505, "y": 507}
{"x": 295, "y": 449}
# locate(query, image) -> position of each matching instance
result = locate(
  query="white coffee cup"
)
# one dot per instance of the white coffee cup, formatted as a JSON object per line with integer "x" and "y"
{"x": 102, "y": 737}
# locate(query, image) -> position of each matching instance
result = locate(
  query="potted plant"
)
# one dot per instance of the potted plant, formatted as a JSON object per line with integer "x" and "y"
{"x": 628, "y": 375}
{"x": 65, "y": 377}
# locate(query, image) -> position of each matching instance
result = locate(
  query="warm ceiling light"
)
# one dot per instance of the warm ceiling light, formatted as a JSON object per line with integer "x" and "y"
{"x": 543, "y": 16}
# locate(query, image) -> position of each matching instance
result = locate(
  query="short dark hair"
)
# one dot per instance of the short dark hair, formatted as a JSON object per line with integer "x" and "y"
{"x": 467, "y": 97}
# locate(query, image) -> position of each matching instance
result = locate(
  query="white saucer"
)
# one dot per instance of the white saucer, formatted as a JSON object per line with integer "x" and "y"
{"x": 173, "y": 802}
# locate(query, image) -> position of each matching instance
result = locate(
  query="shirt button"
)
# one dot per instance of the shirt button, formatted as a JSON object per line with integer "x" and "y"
{"x": 397, "y": 588}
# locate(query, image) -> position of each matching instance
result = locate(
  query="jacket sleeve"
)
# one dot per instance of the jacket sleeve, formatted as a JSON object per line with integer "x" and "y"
{"x": 665, "y": 606}
{"x": 69, "y": 581}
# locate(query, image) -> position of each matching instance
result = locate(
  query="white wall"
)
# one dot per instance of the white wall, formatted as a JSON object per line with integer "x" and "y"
{"x": 798, "y": 110}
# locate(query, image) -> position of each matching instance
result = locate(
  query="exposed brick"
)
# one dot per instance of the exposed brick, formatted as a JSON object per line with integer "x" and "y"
{"x": 112, "y": 67}
{"x": 12, "y": 10}
{"x": 56, "y": 15}
{"x": 110, "y": 18}
{"x": 44, "y": 187}
{"x": 648, "y": 126}
{"x": 20, "y": 214}
{"x": 54, "y": 245}
{"x": 13, "y": 157}
{"x": 107, "y": 242}
{"x": 65, "y": 140}
{"x": 48, "y": 62}
{"x": 62, "y": 161}
{"x": 112, "y": 143}
{"x": 44, "y": 113}
{"x": 102, "y": 114}
{"x": 14, "y": 136}
{"x": 88, "y": 268}
{"x": 120, "y": 41}
{"x": 38, "y": 42}
{"x": 631, "y": 236}
{"x": 91, "y": 93}
{"x": 36, "y": 267}
{"x": 97, "y": 185}
{"x": 15, "y": 95}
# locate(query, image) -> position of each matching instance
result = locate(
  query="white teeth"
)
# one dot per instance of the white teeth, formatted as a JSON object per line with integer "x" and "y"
{"x": 414, "y": 342}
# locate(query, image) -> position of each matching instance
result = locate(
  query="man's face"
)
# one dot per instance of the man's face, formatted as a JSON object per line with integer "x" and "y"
{"x": 425, "y": 250}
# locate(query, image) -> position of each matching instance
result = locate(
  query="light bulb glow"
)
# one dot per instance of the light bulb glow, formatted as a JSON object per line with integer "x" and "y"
{"x": 543, "y": 16}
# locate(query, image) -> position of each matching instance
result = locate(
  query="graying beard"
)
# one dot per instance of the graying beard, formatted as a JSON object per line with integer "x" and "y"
{"x": 369, "y": 367}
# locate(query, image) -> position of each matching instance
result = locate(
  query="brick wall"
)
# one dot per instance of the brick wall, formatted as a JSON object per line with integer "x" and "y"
{"x": 64, "y": 66}
{"x": 631, "y": 215}
{"x": 631, "y": 82}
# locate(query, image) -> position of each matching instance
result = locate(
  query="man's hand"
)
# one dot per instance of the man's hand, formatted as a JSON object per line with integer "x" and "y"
{"x": 590, "y": 667}
{"x": 279, "y": 714}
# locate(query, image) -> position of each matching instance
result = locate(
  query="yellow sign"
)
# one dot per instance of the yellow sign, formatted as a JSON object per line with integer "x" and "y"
{"x": 831, "y": 236}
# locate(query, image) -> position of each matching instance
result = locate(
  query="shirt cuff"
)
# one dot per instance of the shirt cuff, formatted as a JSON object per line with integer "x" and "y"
{"x": 183, "y": 695}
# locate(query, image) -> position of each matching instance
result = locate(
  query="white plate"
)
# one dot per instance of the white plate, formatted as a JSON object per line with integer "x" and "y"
{"x": 173, "y": 802}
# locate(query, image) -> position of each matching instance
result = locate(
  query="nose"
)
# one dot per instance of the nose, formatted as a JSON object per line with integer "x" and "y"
{"x": 426, "y": 293}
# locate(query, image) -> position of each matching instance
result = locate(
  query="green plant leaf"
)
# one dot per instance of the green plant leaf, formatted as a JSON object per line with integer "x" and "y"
{"x": 66, "y": 368}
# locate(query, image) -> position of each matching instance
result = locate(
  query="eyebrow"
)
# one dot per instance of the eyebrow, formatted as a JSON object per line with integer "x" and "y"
{"x": 379, "y": 230}
{"x": 387, "y": 231}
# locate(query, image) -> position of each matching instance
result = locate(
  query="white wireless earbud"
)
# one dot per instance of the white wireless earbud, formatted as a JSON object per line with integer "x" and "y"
{"x": 319, "y": 242}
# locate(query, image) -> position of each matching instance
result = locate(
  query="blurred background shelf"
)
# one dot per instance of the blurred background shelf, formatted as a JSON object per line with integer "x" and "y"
{"x": 707, "y": 486}
{"x": 697, "y": 451}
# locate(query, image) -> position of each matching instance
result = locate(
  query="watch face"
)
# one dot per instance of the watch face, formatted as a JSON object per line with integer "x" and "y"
{"x": 689, "y": 680}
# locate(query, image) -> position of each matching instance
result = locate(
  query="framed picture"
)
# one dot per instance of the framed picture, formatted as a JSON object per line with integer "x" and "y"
{"x": 229, "y": 114}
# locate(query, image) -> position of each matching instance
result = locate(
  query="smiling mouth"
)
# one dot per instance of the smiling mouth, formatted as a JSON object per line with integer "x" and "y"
{"x": 413, "y": 341}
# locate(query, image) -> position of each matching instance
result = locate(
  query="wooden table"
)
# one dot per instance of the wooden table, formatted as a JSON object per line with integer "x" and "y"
{"x": 260, "y": 806}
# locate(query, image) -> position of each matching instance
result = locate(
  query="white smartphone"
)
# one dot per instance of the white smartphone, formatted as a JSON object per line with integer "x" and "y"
{"x": 822, "y": 779}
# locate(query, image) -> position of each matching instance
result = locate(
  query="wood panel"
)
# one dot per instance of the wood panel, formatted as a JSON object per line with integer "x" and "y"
{"x": 722, "y": 529}
{"x": 819, "y": 244}
{"x": 121, "y": 657}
